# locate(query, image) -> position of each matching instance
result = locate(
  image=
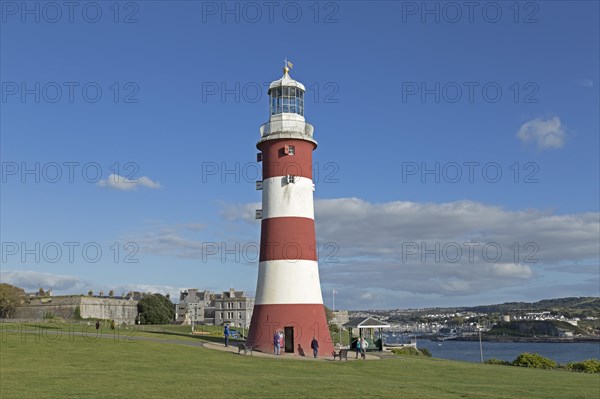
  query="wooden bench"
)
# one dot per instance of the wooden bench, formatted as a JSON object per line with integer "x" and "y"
{"x": 245, "y": 348}
{"x": 343, "y": 353}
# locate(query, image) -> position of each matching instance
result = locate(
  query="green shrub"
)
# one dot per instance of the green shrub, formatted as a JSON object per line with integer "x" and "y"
{"x": 533, "y": 360}
{"x": 425, "y": 352}
{"x": 498, "y": 361}
{"x": 410, "y": 351}
{"x": 586, "y": 366}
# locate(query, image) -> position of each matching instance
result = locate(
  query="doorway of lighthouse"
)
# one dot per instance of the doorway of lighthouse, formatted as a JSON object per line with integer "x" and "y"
{"x": 289, "y": 339}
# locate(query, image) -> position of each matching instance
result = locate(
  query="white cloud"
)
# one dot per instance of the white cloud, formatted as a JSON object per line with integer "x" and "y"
{"x": 379, "y": 231}
{"x": 366, "y": 296}
{"x": 367, "y": 254}
{"x": 32, "y": 281}
{"x": 512, "y": 270}
{"x": 193, "y": 226}
{"x": 245, "y": 212}
{"x": 168, "y": 242}
{"x": 117, "y": 182}
{"x": 372, "y": 244}
{"x": 585, "y": 82}
{"x": 544, "y": 133}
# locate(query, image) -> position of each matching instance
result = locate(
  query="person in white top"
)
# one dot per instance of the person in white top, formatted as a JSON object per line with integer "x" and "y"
{"x": 363, "y": 348}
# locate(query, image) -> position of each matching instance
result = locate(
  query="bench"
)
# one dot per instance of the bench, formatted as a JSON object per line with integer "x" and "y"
{"x": 245, "y": 348}
{"x": 343, "y": 353}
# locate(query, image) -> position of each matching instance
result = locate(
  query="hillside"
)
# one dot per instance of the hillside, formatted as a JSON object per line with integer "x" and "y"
{"x": 534, "y": 328}
{"x": 569, "y": 307}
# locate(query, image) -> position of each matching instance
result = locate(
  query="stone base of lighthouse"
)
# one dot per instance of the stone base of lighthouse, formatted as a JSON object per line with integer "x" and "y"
{"x": 299, "y": 323}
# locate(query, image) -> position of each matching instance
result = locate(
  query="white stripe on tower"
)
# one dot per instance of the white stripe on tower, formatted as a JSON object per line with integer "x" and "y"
{"x": 288, "y": 281}
{"x": 280, "y": 199}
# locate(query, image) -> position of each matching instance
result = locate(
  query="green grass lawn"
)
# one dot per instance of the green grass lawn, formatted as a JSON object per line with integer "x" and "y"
{"x": 75, "y": 366}
{"x": 171, "y": 332}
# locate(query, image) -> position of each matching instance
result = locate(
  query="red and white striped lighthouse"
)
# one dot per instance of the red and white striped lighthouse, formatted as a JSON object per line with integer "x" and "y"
{"x": 288, "y": 292}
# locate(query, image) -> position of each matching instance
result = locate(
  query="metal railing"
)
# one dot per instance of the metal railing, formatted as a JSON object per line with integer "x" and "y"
{"x": 286, "y": 127}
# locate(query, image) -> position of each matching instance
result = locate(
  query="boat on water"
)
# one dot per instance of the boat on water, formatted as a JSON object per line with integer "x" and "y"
{"x": 446, "y": 334}
{"x": 444, "y": 337}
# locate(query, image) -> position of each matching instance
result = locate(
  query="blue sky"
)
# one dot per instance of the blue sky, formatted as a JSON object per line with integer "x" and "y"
{"x": 393, "y": 89}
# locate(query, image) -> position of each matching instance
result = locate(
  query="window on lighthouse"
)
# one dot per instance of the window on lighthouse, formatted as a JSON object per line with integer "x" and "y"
{"x": 289, "y": 150}
{"x": 287, "y": 100}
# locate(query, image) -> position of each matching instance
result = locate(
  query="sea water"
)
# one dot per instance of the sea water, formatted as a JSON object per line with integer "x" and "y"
{"x": 469, "y": 350}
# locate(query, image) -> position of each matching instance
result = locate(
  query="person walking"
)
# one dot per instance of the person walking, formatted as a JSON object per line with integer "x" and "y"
{"x": 357, "y": 347}
{"x": 363, "y": 348}
{"x": 314, "y": 344}
{"x": 226, "y": 333}
{"x": 97, "y": 325}
{"x": 277, "y": 343}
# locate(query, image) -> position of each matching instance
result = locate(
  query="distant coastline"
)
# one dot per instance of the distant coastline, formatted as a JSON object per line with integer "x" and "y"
{"x": 509, "y": 338}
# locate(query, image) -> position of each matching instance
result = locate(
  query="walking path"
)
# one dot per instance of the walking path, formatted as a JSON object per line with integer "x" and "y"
{"x": 288, "y": 356}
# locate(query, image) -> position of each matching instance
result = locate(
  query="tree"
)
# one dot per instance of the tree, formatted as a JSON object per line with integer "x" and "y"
{"x": 90, "y": 293}
{"x": 328, "y": 314}
{"x": 458, "y": 321}
{"x": 156, "y": 309}
{"x": 10, "y": 298}
{"x": 111, "y": 293}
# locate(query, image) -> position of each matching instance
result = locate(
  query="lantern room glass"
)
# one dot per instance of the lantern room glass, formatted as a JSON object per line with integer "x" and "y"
{"x": 287, "y": 100}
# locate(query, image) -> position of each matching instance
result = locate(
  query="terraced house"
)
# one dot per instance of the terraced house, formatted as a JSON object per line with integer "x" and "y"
{"x": 204, "y": 307}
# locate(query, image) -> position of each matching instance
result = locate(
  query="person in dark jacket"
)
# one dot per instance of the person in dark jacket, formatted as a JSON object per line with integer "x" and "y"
{"x": 226, "y": 333}
{"x": 314, "y": 344}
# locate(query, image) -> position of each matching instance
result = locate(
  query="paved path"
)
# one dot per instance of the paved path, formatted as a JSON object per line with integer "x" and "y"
{"x": 287, "y": 356}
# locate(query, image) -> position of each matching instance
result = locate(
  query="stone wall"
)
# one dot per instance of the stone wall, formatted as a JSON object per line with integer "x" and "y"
{"x": 119, "y": 310}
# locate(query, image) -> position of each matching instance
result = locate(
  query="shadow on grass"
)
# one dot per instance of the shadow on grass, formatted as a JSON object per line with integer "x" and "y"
{"x": 43, "y": 326}
{"x": 206, "y": 338}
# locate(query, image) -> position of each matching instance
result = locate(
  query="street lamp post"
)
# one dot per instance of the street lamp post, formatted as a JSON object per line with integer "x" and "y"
{"x": 480, "y": 346}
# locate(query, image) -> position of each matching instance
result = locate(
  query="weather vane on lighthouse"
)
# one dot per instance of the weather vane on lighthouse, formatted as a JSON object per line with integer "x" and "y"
{"x": 288, "y": 291}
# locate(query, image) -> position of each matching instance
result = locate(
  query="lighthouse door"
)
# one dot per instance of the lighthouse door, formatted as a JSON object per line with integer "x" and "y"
{"x": 289, "y": 339}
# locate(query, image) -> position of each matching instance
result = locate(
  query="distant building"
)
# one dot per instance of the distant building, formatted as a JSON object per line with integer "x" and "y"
{"x": 340, "y": 317}
{"x": 193, "y": 305}
{"x": 565, "y": 334}
{"x": 233, "y": 308}
{"x": 204, "y": 307}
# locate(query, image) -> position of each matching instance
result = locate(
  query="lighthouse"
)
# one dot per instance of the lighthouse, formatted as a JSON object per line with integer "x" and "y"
{"x": 288, "y": 292}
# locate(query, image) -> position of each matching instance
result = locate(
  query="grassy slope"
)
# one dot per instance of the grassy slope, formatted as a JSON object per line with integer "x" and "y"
{"x": 105, "y": 368}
